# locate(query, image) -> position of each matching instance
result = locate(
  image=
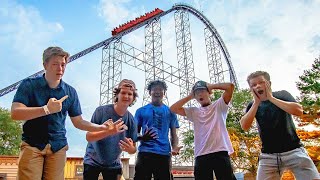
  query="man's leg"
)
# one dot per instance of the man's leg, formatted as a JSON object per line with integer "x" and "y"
{"x": 299, "y": 162}
{"x": 114, "y": 174}
{"x": 143, "y": 166}
{"x": 54, "y": 163}
{"x": 90, "y": 172}
{"x": 269, "y": 167}
{"x": 222, "y": 166}
{"x": 201, "y": 169}
{"x": 162, "y": 167}
{"x": 30, "y": 163}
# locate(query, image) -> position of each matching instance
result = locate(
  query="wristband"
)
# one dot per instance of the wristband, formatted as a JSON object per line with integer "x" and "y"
{"x": 46, "y": 110}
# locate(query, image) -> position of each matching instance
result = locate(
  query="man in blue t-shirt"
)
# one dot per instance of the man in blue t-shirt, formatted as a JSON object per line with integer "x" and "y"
{"x": 281, "y": 147}
{"x": 155, "y": 120}
{"x": 104, "y": 148}
{"x": 42, "y": 103}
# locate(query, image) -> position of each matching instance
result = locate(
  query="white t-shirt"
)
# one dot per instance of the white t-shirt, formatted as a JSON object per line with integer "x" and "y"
{"x": 210, "y": 132}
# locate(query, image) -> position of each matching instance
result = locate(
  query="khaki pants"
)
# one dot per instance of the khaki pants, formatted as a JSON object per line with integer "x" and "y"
{"x": 36, "y": 165}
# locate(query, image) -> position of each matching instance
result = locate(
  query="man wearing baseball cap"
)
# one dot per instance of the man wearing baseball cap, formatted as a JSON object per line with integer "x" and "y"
{"x": 43, "y": 103}
{"x": 211, "y": 139}
{"x": 104, "y": 147}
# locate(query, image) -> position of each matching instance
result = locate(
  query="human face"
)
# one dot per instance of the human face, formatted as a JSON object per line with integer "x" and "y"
{"x": 55, "y": 67}
{"x": 202, "y": 96}
{"x": 125, "y": 96}
{"x": 258, "y": 85}
{"x": 157, "y": 93}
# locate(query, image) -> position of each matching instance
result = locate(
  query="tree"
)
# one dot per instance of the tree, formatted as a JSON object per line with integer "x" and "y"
{"x": 246, "y": 144}
{"x": 10, "y": 132}
{"x": 309, "y": 86}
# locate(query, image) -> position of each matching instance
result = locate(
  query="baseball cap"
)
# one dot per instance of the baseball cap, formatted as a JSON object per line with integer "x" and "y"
{"x": 200, "y": 85}
{"x": 54, "y": 51}
{"x": 127, "y": 83}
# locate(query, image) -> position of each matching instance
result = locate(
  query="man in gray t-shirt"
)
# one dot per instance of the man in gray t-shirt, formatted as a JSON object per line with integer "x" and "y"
{"x": 104, "y": 147}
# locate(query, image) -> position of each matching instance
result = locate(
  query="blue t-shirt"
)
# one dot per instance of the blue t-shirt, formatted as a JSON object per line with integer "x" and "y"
{"x": 106, "y": 152}
{"x": 161, "y": 119}
{"x": 35, "y": 92}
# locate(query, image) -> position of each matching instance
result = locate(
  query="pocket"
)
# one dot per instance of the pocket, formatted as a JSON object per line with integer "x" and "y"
{"x": 23, "y": 145}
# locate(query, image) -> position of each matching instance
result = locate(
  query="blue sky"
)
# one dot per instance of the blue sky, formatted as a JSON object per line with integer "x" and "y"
{"x": 282, "y": 38}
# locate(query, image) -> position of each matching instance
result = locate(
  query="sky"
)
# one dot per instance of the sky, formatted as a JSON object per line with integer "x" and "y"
{"x": 280, "y": 37}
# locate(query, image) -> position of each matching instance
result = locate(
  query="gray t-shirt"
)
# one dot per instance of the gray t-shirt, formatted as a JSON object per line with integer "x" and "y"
{"x": 106, "y": 152}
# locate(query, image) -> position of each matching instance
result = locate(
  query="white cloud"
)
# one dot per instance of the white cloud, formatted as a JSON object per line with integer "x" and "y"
{"x": 268, "y": 35}
{"x": 115, "y": 13}
{"x": 23, "y": 28}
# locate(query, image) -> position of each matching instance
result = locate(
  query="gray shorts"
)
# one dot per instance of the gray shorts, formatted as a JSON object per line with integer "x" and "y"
{"x": 271, "y": 166}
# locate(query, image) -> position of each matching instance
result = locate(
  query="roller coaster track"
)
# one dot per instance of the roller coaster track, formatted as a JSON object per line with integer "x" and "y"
{"x": 106, "y": 42}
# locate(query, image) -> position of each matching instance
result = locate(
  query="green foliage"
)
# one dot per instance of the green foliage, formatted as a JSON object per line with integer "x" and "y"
{"x": 10, "y": 134}
{"x": 309, "y": 86}
{"x": 187, "y": 154}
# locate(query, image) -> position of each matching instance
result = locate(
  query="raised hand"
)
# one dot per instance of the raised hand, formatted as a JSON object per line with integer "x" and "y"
{"x": 255, "y": 96}
{"x": 127, "y": 145}
{"x": 55, "y": 105}
{"x": 176, "y": 150}
{"x": 268, "y": 90}
{"x": 149, "y": 134}
{"x": 115, "y": 127}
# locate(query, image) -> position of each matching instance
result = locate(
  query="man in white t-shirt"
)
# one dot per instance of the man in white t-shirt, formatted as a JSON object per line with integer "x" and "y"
{"x": 211, "y": 139}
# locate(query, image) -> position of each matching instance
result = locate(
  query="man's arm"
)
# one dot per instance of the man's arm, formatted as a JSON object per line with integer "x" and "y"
{"x": 178, "y": 106}
{"x": 247, "y": 120}
{"x": 227, "y": 87}
{"x": 79, "y": 123}
{"x": 174, "y": 142}
{"x": 112, "y": 129}
{"x": 293, "y": 108}
{"x": 20, "y": 111}
{"x": 249, "y": 117}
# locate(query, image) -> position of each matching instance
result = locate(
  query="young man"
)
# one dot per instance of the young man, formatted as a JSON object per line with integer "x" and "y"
{"x": 104, "y": 147}
{"x": 211, "y": 139}
{"x": 281, "y": 147}
{"x": 42, "y": 103}
{"x": 155, "y": 120}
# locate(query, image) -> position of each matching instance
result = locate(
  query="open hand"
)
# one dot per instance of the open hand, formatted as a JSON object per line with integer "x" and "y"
{"x": 115, "y": 127}
{"x": 127, "y": 145}
{"x": 149, "y": 134}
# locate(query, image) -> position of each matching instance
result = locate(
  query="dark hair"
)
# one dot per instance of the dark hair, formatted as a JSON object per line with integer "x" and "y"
{"x": 126, "y": 83}
{"x": 258, "y": 73}
{"x": 156, "y": 83}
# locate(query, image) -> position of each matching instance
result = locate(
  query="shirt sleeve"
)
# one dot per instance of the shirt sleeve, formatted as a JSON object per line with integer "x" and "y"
{"x": 249, "y": 106}
{"x": 174, "y": 120}
{"x": 286, "y": 96}
{"x": 75, "y": 108}
{"x": 96, "y": 117}
{"x": 137, "y": 118}
{"x": 189, "y": 113}
{"x": 132, "y": 132}
{"x": 222, "y": 105}
{"x": 23, "y": 93}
